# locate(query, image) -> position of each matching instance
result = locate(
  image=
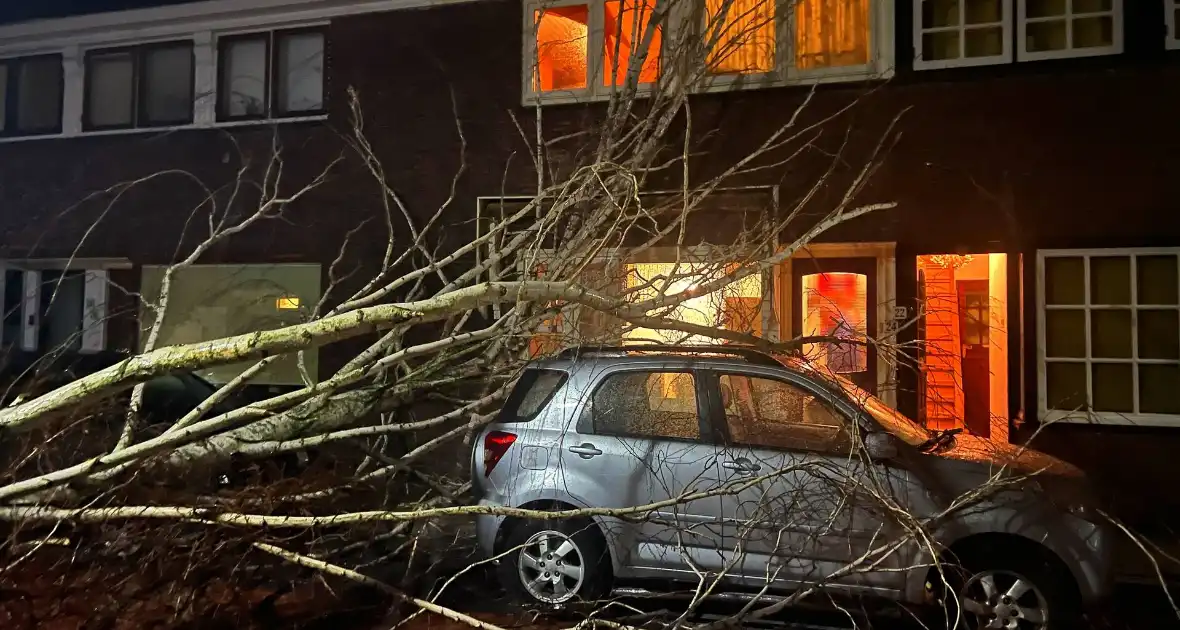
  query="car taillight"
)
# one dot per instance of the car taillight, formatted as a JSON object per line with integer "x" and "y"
{"x": 495, "y": 445}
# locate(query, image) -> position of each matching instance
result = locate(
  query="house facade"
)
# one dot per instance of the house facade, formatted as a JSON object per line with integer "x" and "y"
{"x": 1030, "y": 273}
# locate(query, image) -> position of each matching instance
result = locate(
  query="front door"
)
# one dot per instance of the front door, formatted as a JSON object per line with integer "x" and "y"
{"x": 836, "y": 299}
{"x": 816, "y": 511}
{"x": 645, "y": 440}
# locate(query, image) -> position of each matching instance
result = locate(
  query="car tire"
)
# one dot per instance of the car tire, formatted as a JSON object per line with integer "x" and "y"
{"x": 553, "y": 565}
{"x": 1031, "y": 588}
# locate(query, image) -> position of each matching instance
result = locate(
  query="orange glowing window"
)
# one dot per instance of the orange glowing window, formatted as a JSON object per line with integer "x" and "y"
{"x": 740, "y": 36}
{"x": 626, "y": 24}
{"x": 831, "y": 33}
{"x": 835, "y": 305}
{"x": 561, "y": 48}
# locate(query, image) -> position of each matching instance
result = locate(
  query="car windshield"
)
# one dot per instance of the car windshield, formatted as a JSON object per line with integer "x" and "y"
{"x": 889, "y": 418}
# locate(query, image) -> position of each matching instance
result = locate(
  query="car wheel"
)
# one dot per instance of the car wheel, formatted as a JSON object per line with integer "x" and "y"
{"x": 1015, "y": 593}
{"x": 555, "y": 564}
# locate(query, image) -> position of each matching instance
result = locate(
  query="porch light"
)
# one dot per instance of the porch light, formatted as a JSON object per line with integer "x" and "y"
{"x": 287, "y": 303}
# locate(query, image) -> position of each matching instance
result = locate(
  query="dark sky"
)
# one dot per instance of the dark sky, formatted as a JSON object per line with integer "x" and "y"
{"x": 21, "y": 10}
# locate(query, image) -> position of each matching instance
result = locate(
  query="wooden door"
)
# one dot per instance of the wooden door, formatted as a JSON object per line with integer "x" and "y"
{"x": 974, "y": 327}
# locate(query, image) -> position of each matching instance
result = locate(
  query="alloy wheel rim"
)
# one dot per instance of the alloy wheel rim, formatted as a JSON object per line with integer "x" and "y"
{"x": 551, "y": 567}
{"x": 1004, "y": 600}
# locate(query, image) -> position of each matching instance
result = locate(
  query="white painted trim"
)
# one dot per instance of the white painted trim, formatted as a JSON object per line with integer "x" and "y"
{"x": 30, "y": 311}
{"x": 161, "y": 130}
{"x": 70, "y": 264}
{"x": 962, "y": 61}
{"x": 881, "y": 45}
{"x": 1172, "y": 36}
{"x": 94, "y": 311}
{"x": 213, "y": 15}
{"x": 1115, "y": 48}
{"x": 1086, "y": 415}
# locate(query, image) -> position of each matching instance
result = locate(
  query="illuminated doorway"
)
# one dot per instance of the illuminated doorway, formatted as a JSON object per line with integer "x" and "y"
{"x": 836, "y": 298}
{"x": 962, "y": 337}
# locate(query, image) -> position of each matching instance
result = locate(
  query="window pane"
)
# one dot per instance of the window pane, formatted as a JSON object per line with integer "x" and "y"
{"x": 985, "y": 42}
{"x": 774, "y": 414}
{"x": 1159, "y": 335}
{"x": 940, "y": 45}
{"x": 1093, "y": 32}
{"x": 1065, "y": 280}
{"x": 661, "y": 404}
{"x": 1065, "y": 333}
{"x": 1044, "y": 8}
{"x": 1113, "y": 389}
{"x": 1110, "y": 334}
{"x": 831, "y": 33}
{"x": 940, "y": 13}
{"x": 112, "y": 89}
{"x": 1110, "y": 280}
{"x": 168, "y": 85}
{"x": 3, "y": 97}
{"x": 740, "y": 35}
{"x": 39, "y": 95}
{"x": 1157, "y": 389}
{"x": 561, "y": 48}
{"x": 1046, "y": 36}
{"x": 1091, "y": 6}
{"x": 836, "y": 305}
{"x": 626, "y": 25}
{"x": 301, "y": 73}
{"x": 984, "y": 11}
{"x": 1065, "y": 385}
{"x": 1157, "y": 280}
{"x": 243, "y": 78}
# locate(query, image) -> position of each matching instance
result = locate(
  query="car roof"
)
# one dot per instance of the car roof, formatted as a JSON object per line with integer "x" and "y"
{"x": 646, "y": 353}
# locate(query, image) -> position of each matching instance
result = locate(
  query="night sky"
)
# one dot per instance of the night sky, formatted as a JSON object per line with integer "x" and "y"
{"x": 20, "y": 10}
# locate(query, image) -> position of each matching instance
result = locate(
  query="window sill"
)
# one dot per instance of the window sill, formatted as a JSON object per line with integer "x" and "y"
{"x": 1100, "y": 419}
{"x": 719, "y": 84}
{"x": 166, "y": 129}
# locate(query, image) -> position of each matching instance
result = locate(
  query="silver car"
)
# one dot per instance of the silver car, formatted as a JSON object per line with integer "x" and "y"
{"x": 766, "y": 475}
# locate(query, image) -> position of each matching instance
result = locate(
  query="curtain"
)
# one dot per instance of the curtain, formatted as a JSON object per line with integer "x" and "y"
{"x": 831, "y": 33}
{"x": 740, "y": 35}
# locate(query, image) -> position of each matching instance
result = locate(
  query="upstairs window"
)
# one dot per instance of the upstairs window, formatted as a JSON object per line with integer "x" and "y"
{"x": 1051, "y": 29}
{"x": 142, "y": 86}
{"x": 741, "y": 36}
{"x": 30, "y": 95}
{"x": 571, "y": 43}
{"x": 271, "y": 75}
{"x": 956, "y": 33}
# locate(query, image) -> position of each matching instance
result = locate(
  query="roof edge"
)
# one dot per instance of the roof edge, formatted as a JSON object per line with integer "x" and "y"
{"x": 135, "y": 24}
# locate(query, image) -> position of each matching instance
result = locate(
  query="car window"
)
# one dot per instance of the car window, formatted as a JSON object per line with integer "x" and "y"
{"x": 169, "y": 398}
{"x": 656, "y": 404}
{"x": 530, "y": 395}
{"x": 770, "y": 413}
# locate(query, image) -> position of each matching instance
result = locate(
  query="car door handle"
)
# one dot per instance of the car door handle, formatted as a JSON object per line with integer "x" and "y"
{"x": 586, "y": 450}
{"x": 742, "y": 465}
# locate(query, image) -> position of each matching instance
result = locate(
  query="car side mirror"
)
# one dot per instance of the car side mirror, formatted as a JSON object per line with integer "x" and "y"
{"x": 880, "y": 446}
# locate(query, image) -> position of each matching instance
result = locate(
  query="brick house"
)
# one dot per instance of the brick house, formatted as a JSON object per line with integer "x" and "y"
{"x": 1033, "y": 247}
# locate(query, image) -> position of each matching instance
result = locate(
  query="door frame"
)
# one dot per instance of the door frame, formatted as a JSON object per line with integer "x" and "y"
{"x": 885, "y": 254}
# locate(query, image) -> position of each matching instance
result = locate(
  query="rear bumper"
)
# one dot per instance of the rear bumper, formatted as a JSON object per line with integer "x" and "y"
{"x": 487, "y": 528}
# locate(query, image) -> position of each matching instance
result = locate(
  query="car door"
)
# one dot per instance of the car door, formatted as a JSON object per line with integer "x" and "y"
{"x": 644, "y": 438}
{"x": 810, "y": 505}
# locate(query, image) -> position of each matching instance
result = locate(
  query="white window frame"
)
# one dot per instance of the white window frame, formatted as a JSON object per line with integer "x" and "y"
{"x": 880, "y": 66}
{"x": 1085, "y": 415}
{"x": 136, "y": 50}
{"x": 1172, "y": 37}
{"x": 1115, "y": 48}
{"x": 272, "y": 37}
{"x": 961, "y": 28}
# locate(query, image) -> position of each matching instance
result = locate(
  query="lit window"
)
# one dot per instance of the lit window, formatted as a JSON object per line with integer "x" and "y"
{"x": 1110, "y": 336}
{"x": 740, "y": 35}
{"x": 626, "y": 24}
{"x": 31, "y": 95}
{"x": 735, "y": 307}
{"x": 271, "y": 75}
{"x": 961, "y": 33}
{"x": 143, "y": 86}
{"x": 831, "y": 33}
{"x": 835, "y": 305}
{"x": 561, "y": 48}
{"x": 287, "y": 303}
{"x": 1069, "y": 28}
